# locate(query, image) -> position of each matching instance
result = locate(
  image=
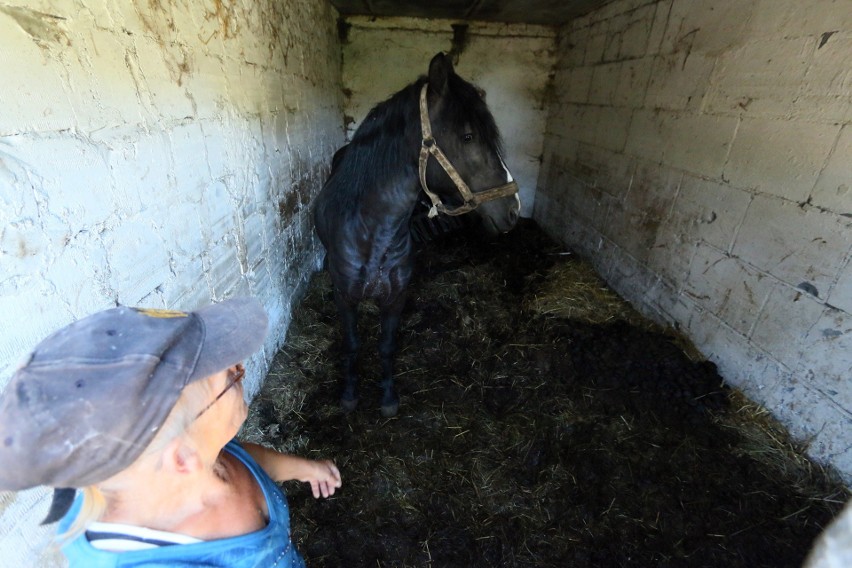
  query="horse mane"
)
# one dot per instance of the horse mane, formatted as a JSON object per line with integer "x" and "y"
{"x": 381, "y": 147}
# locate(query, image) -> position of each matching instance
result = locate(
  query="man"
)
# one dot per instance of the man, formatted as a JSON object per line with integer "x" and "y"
{"x": 137, "y": 410}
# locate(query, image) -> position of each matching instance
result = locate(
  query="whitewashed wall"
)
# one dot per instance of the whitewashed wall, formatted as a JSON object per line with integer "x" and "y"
{"x": 700, "y": 154}
{"x": 511, "y": 62}
{"x": 160, "y": 154}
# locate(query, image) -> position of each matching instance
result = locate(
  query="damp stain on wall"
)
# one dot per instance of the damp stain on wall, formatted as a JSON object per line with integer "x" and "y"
{"x": 46, "y": 30}
{"x": 288, "y": 205}
{"x": 160, "y": 26}
{"x": 223, "y": 12}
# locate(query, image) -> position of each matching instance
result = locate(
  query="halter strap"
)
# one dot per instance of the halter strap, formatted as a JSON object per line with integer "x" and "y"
{"x": 429, "y": 147}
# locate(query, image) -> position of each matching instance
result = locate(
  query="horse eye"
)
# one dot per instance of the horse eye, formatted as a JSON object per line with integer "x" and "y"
{"x": 468, "y": 137}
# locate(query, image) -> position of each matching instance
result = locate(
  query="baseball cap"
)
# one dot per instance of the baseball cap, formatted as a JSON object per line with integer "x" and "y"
{"x": 90, "y": 397}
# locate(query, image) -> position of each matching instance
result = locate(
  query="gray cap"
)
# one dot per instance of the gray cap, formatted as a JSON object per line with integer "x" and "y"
{"x": 91, "y": 397}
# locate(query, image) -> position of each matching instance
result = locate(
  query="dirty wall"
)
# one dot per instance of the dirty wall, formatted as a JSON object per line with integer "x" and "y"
{"x": 511, "y": 62}
{"x": 699, "y": 154}
{"x": 160, "y": 154}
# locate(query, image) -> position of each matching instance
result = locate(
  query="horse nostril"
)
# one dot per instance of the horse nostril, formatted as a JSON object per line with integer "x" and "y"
{"x": 513, "y": 216}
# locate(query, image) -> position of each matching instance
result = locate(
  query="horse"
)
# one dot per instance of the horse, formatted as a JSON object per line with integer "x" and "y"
{"x": 363, "y": 211}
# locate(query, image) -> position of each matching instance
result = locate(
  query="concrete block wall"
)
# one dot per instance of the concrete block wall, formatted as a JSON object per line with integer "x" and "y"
{"x": 698, "y": 153}
{"x": 512, "y": 63}
{"x": 160, "y": 154}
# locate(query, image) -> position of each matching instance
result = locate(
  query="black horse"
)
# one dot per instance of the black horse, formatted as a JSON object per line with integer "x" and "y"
{"x": 363, "y": 212}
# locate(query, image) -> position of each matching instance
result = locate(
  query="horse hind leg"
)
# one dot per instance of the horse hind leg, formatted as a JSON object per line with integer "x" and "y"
{"x": 349, "y": 347}
{"x": 390, "y": 316}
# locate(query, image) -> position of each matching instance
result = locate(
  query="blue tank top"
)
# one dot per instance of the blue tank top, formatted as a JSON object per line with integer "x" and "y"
{"x": 269, "y": 546}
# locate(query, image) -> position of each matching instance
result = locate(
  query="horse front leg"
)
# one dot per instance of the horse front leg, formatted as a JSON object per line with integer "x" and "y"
{"x": 348, "y": 312}
{"x": 390, "y": 316}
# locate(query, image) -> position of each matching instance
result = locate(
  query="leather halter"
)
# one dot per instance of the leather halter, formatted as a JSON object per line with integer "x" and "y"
{"x": 430, "y": 147}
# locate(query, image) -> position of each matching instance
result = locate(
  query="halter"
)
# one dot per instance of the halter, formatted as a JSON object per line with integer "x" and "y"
{"x": 430, "y": 146}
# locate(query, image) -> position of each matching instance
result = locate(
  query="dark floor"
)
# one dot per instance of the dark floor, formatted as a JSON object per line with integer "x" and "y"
{"x": 530, "y": 438}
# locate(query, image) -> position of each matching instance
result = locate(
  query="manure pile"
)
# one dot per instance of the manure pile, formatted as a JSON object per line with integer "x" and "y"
{"x": 542, "y": 423}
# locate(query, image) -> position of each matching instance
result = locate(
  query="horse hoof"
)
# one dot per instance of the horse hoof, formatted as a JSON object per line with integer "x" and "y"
{"x": 390, "y": 410}
{"x": 348, "y": 404}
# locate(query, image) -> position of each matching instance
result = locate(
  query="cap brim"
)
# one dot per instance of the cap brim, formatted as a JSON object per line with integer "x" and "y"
{"x": 234, "y": 330}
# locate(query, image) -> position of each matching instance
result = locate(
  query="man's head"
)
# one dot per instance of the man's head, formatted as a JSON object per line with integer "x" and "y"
{"x": 92, "y": 396}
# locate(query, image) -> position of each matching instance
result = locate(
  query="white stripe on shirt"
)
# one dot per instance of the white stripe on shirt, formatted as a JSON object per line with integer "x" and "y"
{"x": 119, "y": 537}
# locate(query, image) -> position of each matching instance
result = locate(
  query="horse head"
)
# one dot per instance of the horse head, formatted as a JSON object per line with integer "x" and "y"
{"x": 467, "y": 172}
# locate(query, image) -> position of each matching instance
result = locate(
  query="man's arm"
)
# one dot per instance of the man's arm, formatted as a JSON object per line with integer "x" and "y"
{"x": 323, "y": 476}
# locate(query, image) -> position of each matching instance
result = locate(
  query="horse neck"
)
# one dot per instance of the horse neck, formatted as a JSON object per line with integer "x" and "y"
{"x": 391, "y": 200}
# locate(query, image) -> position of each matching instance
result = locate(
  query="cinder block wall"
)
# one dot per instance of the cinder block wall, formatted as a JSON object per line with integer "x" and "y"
{"x": 700, "y": 154}
{"x": 160, "y": 154}
{"x": 512, "y": 63}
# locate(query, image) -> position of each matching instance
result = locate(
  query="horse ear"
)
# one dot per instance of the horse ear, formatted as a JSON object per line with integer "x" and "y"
{"x": 440, "y": 69}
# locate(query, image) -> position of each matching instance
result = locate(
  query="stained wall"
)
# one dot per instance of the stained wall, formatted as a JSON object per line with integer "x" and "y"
{"x": 698, "y": 153}
{"x": 161, "y": 154}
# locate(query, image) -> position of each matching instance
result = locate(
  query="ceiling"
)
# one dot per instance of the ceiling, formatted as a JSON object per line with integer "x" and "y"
{"x": 539, "y": 12}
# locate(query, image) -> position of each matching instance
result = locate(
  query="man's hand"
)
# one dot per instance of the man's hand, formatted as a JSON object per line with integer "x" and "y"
{"x": 323, "y": 476}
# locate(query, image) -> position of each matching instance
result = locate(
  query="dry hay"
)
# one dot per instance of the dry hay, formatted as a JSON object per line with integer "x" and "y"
{"x": 573, "y": 290}
{"x": 532, "y": 432}
{"x": 765, "y": 440}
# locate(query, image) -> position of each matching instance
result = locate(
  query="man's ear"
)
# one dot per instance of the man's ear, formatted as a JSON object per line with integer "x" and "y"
{"x": 181, "y": 458}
